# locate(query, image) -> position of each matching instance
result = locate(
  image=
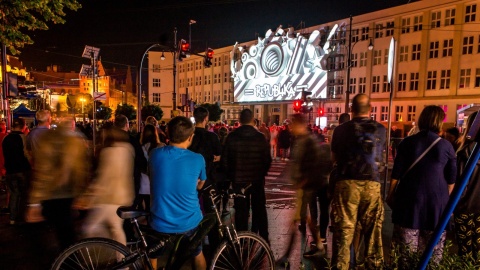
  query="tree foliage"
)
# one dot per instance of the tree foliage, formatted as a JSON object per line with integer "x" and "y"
{"x": 19, "y": 16}
{"x": 214, "y": 111}
{"x": 127, "y": 110}
{"x": 103, "y": 112}
{"x": 152, "y": 110}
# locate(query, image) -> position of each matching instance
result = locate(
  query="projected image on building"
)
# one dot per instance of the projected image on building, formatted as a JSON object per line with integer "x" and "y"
{"x": 280, "y": 66}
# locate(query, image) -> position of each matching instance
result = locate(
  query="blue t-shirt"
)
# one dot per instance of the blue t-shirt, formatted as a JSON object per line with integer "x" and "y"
{"x": 174, "y": 173}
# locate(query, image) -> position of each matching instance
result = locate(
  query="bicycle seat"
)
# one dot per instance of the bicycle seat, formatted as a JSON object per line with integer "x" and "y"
{"x": 126, "y": 212}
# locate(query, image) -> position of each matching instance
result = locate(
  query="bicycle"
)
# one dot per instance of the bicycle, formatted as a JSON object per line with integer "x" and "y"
{"x": 242, "y": 250}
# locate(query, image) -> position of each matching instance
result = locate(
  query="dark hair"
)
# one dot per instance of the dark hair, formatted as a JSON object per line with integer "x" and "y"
{"x": 18, "y": 123}
{"x": 431, "y": 119}
{"x": 150, "y": 135}
{"x": 299, "y": 118}
{"x": 200, "y": 114}
{"x": 179, "y": 129}
{"x": 454, "y": 131}
{"x": 464, "y": 140}
{"x": 361, "y": 104}
{"x": 151, "y": 121}
{"x": 344, "y": 117}
{"x": 120, "y": 121}
{"x": 246, "y": 117}
{"x": 112, "y": 136}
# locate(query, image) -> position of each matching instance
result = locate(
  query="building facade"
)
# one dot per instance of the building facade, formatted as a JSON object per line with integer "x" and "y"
{"x": 437, "y": 51}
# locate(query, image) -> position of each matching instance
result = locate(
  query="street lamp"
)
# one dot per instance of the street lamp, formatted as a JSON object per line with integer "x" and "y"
{"x": 163, "y": 56}
{"x": 349, "y": 63}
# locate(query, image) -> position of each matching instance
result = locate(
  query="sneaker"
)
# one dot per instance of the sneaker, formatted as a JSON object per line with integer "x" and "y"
{"x": 314, "y": 253}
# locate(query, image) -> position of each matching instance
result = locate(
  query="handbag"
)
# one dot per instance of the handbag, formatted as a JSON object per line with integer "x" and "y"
{"x": 393, "y": 197}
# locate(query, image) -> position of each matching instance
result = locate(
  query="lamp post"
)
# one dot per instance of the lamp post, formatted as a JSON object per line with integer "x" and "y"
{"x": 82, "y": 100}
{"x": 349, "y": 63}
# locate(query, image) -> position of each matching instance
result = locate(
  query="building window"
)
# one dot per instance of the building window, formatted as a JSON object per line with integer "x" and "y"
{"x": 355, "y": 35}
{"x": 354, "y": 60}
{"x": 467, "y": 45}
{"x": 431, "y": 80}
{"x": 384, "y": 113}
{"x": 417, "y": 23}
{"x": 414, "y": 77}
{"x": 156, "y": 82}
{"x": 376, "y": 84}
{"x": 226, "y": 60}
{"x": 433, "y": 53}
{"x": 398, "y": 113}
{"x": 156, "y": 68}
{"x": 156, "y": 98}
{"x": 389, "y": 29}
{"x": 365, "y": 31}
{"x": 353, "y": 86}
{"x": 378, "y": 30}
{"x": 447, "y": 47}
{"x": 445, "y": 79}
{"x": 416, "y": 51}
{"x": 450, "y": 17}
{"x": 199, "y": 79}
{"x": 470, "y": 13}
{"x": 362, "y": 82}
{"x": 373, "y": 113}
{"x": 411, "y": 113}
{"x": 403, "y": 54}
{"x": 478, "y": 50}
{"x": 363, "y": 59}
{"x": 386, "y": 85}
{"x": 402, "y": 81}
{"x": 436, "y": 18}
{"x": 405, "y": 25}
{"x": 189, "y": 81}
{"x": 465, "y": 78}
{"x": 477, "y": 77}
{"x": 377, "y": 57}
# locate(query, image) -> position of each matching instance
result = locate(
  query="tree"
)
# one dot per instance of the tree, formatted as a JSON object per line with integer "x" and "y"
{"x": 152, "y": 110}
{"x": 127, "y": 110}
{"x": 214, "y": 111}
{"x": 19, "y": 16}
{"x": 103, "y": 112}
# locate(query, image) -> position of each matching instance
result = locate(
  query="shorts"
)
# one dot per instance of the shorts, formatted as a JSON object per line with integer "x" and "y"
{"x": 190, "y": 234}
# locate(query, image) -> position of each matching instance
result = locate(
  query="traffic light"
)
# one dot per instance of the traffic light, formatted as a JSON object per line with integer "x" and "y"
{"x": 306, "y": 95}
{"x": 297, "y": 105}
{"x": 183, "y": 49}
{"x": 208, "y": 57}
{"x": 321, "y": 112}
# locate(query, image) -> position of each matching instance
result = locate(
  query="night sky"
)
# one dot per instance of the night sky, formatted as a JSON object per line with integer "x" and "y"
{"x": 123, "y": 29}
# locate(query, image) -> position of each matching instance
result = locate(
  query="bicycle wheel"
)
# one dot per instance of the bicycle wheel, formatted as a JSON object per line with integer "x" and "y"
{"x": 253, "y": 253}
{"x": 95, "y": 254}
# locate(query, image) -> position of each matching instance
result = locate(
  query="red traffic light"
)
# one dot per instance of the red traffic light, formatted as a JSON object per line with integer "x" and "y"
{"x": 184, "y": 46}
{"x": 297, "y": 105}
{"x": 209, "y": 53}
{"x": 321, "y": 112}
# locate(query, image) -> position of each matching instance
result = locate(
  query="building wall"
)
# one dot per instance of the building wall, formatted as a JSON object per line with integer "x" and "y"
{"x": 436, "y": 63}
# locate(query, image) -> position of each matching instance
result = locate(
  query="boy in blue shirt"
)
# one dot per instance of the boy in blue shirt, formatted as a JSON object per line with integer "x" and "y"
{"x": 176, "y": 175}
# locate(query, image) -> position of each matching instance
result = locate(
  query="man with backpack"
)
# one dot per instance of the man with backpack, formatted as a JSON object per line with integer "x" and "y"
{"x": 357, "y": 149}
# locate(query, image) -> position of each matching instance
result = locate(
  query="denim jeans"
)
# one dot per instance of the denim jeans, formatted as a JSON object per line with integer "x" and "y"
{"x": 17, "y": 186}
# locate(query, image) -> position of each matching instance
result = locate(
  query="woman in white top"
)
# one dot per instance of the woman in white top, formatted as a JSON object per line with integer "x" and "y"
{"x": 273, "y": 141}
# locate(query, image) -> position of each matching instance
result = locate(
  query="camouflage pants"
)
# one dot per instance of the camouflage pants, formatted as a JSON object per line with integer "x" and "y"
{"x": 467, "y": 229}
{"x": 358, "y": 204}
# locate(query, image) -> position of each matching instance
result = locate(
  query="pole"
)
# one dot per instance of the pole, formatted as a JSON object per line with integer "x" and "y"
{"x": 391, "y": 85}
{"x": 94, "y": 124}
{"x": 4, "y": 96}
{"x": 452, "y": 203}
{"x": 349, "y": 67}
{"x": 187, "y": 107}
{"x": 174, "y": 98}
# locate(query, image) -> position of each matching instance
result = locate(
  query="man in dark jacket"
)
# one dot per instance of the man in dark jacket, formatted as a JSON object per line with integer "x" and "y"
{"x": 246, "y": 160}
{"x": 18, "y": 169}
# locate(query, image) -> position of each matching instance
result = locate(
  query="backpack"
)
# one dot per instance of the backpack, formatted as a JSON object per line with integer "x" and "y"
{"x": 364, "y": 152}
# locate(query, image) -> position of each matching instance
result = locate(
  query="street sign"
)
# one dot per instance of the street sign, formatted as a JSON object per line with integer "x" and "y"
{"x": 99, "y": 96}
{"x": 391, "y": 56}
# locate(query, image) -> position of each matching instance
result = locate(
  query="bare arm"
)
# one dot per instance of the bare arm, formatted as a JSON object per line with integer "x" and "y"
{"x": 393, "y": 186}
{"x": 200, "y": 184}
{"x": 450, "y": 188}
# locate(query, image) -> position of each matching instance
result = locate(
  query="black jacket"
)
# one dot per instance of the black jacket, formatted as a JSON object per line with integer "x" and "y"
{"x": 246, "y": 156}
{"x": 470, "y": 201}
{"x": 13, "y": 151}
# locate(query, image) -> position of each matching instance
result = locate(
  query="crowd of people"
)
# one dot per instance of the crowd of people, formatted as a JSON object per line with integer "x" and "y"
{"x": 52, "y": 175}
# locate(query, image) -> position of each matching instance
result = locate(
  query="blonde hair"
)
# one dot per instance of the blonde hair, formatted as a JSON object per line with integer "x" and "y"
{"x": 43, "y": 116}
